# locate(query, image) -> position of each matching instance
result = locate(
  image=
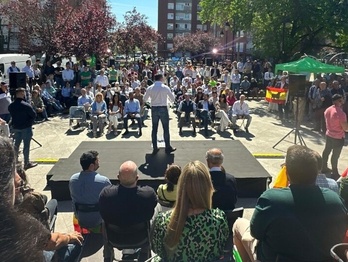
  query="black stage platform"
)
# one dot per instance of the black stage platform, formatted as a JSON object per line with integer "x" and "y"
{"x": 252, "y": 178}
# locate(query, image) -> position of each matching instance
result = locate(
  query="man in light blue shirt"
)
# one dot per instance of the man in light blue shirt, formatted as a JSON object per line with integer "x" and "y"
{"x": 132, "y": 111}
{"x": 28, "y": 69}
{"x": 84, "y": 100}
{"x": 85, "y": 188}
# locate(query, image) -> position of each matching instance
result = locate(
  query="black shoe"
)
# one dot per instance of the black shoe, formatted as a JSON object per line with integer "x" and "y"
{"x": 194, "y": 133}
{"x": 155, "y": 151}
{"x": 140, "y": 133}
{"x": 180, "y": 131}
{"x": 247, "y": 130}
{"x": 30, "y": 165}
{"x": 170, "y": 150}
{"x": 125, "y": 133}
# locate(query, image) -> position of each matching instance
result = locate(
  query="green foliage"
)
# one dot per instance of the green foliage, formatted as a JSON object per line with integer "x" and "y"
{"x": 283, "y": 27}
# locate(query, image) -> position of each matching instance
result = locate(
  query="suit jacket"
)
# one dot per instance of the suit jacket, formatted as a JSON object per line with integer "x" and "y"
{"x": 225, "y": 195}
{"x": 211, "y": 108}
{"x": 218, "y": 74}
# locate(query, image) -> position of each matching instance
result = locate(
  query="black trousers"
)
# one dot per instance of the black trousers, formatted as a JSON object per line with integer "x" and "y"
{"x": 334, "y": 145}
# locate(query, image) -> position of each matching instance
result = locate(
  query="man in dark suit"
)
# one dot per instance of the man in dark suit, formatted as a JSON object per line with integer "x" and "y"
{"x": 206, "y": 112}
{"x": 215, "y": 72}
{"x": 225, "y": 185}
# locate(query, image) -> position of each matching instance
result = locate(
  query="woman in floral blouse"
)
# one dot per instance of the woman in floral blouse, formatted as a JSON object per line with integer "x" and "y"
{"x": 192, "y": 231}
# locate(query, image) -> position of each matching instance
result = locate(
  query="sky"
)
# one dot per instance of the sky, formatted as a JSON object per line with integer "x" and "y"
{"x": 146, "y": 7}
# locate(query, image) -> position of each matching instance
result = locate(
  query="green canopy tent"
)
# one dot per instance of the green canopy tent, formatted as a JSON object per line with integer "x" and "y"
{"x": 308, "y": 65}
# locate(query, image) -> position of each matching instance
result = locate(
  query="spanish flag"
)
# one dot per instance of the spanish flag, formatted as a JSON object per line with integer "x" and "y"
{"x": 276, "y": 95}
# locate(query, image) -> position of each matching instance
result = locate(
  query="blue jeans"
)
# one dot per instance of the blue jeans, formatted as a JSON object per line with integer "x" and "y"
{"x": 235, "y": 88}
{"x": 23, "y": 134}
{"x": 160, "y": 113}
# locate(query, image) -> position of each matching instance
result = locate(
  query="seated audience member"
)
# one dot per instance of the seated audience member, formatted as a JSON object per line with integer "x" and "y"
{"x": 31, "y": 202}
{"x": 67, "y": 94}
{"x": 26, "y": 237}
{"x": 85, "y": 188}
{"x": 245, "y": 86}
{"x": 143, "y": 108}
{"x": 222, "y": 112}
{"x": 76, "y": 93}
{"x": 300, "y": 223}
{"x": 50, "y": 102}
{"x": 206, "y": 112}
{"x": 179, "y": 234}
{"x": 98, "y": 117}
{"x": 187, "y": 113}
{"x": 225, "y": 185}
{"x": 38, "y": 105}
{"x": 240, "y": 110}
{"x": 167, "y": 192}
{"x": 132, "y": 111}
{"x": 84, "y": 100}
{"x": 126, "y": 204}
{"x": 115, "y": 113}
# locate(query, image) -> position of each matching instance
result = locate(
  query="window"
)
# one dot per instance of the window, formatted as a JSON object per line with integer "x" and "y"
{"x": 170, "y": 5}
{"x": 200, "y": 27}
{"x": 180, "y": 6}
{"x": 170, "y": 36}
{"x": 169, "y": 46}
{"x": 170, "y": 16}
{"x": 188, "y": 26}
{"x": 170, "y": 26}
{"x": 205, "y": 27}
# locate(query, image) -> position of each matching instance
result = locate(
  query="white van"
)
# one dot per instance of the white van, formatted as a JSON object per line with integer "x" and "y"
{"x": 6, "y": 59}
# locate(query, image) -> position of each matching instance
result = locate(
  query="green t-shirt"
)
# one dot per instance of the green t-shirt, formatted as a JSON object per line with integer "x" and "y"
{"x": 113, "y": 75}
{"x": 85, "y": 78}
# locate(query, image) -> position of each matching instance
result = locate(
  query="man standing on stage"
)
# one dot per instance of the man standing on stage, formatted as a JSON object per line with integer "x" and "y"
{"x": 23, "y": 116}
{"x": 159, "y": 93}
{"x": 336, "y": 125}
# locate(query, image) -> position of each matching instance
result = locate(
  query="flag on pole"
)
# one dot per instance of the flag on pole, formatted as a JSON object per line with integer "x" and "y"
{"x": 276, "y": 95}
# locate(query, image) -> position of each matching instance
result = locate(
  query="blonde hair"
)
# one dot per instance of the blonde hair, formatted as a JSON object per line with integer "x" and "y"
{"x": 100, "y": 94}
{"x": 195, "y": 190}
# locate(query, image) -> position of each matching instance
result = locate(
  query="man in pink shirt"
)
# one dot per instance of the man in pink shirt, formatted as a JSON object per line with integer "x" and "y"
{"x": 336, "y": 126}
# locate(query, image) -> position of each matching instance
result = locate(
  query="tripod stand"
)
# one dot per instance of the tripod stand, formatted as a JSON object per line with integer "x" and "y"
{"x": 296, "y": 129}
{"x": 37, "y": 142}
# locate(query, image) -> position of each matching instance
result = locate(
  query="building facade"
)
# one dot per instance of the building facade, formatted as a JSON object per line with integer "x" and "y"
{"x": 177, "y": 17}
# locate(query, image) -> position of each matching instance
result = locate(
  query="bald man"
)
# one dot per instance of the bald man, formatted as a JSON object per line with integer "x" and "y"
{"x": 127, "y": 204}
{"x": 225, "y": 185}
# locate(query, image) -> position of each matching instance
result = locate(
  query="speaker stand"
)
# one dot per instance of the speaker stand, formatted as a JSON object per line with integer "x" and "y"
{"x": 296, "y": 129}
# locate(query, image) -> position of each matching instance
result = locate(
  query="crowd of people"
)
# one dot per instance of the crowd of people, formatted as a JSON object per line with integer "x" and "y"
{"x": 300, "y": 222}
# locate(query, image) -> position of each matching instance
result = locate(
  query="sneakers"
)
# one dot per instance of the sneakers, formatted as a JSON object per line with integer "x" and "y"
{"x": 30, "y": 165}
{"x": 125, "y": 133}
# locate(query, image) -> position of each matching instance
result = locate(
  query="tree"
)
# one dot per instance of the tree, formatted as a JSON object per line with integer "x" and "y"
{"x": 196, "y": 43}
{"x": 282, "y": 28}
{"x": 89, "y": 34}
{"x": 68, "y": 27}
{"x": 135, "y": 33}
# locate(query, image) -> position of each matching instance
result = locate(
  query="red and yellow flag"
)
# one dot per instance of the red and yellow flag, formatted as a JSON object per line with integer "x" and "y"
{"x": 276, "y": 95}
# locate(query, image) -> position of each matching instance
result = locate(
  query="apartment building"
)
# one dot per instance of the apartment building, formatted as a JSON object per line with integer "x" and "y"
{"x": 177, "y": 17}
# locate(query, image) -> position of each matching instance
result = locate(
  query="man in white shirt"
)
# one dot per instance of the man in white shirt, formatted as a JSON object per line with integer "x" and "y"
{"x": 102, "y": 79}
{"x": 235, "y": 79}
{"x": 28, "y": 69}
{"x": 135, "y": 82}
{"x": 159, "y": 93}
{"x": 240, "y": 110}
{"x": 268, "y": 77}
{"x": 68, "y": 74}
